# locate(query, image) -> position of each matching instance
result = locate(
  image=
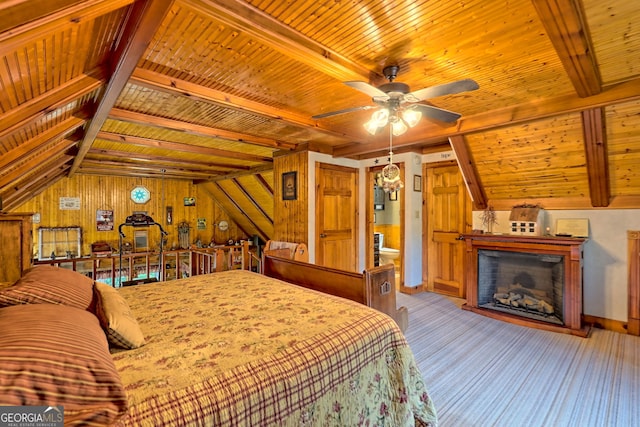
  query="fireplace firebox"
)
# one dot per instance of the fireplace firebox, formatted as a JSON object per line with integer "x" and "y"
{"x": 527, "y": 280}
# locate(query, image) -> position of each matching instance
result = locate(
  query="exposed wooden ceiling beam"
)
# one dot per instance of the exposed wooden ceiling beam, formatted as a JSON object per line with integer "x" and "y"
{"x": 166, "y": 83}
{"x": 242, "y": 212}
{"x": 282, "y": 38}
{"x": 40, "y": 178}
{"x": 102, "y": 165}
{"x": 13, "y": 13}
{"x": 469, "y": 171}
{"x": 179, "y": 146}
{"x": 34, "y": 145}
{"x": 37, "y": 108}
{"x": 45, "y": 156}
{"x": 595, "y": 148}
{"x": 569, "y": 33}
{"x": 144, "y": 19}
{"x": 165, "y": 160}
{"x": 433, "y": 133}
{"x": 81, "y": 12}
{"x": 266, "y": 185}
{"x": 255, "y": 204}
{"x": 231, "y": 175}
{"x": 161, "y": 122}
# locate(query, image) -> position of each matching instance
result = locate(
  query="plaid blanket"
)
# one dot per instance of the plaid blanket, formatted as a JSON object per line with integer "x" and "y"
{"x": 240, "y": 349}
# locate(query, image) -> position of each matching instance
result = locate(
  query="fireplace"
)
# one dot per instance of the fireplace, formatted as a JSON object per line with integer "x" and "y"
{"x": 531, "y": 281}
{"x": 523, "y": 284}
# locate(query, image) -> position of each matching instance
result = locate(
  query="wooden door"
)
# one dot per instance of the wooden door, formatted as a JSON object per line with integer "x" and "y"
{"x": 448, "y": 216}
{"x": 337, "y": 216}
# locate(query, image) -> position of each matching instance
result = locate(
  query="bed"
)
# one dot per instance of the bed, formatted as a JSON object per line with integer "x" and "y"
{"x": 234, "y": 348}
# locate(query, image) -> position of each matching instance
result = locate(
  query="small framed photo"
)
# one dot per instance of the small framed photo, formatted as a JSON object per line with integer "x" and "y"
{"x": 189, "y": 201}
{"x": 417, "y": 182}
{"x": 393, "y": 196}
{"x": 290, "y": 186}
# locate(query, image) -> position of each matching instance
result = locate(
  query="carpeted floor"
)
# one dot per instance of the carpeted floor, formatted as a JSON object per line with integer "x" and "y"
{"x": 485, "y": 372}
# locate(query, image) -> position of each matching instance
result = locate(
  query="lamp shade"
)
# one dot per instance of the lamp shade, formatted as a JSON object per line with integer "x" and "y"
{"x": 398, "y": 127}
{"x": 411, "y": 116}
{"x": 381, "y": 117}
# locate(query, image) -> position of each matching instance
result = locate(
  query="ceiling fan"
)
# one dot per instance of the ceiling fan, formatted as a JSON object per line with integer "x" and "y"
{"x": 396, "y": 103}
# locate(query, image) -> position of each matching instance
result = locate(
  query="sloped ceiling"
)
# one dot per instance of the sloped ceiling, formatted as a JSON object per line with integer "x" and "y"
{"x": 209, "y": 90}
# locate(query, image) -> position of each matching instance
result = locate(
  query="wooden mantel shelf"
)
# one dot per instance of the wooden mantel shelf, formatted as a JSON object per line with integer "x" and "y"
{"x": 570, "y": 248}
{"x": 511, "y": 239}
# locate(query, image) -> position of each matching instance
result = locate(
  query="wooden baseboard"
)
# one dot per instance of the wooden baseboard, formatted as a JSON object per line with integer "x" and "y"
{"x": 608, "y": 324}
{"x": 583, "y": 331}
{"x": 411, "y": 290}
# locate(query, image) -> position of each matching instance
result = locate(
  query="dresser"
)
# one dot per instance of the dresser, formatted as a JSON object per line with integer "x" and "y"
{"x": 16, "y": 245}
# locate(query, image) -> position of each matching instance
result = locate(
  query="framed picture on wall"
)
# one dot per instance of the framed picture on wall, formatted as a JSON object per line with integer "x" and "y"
{"x": 290, "y": 186}
{"x": 393, "y": 196}
{"x": 417, "y": 183}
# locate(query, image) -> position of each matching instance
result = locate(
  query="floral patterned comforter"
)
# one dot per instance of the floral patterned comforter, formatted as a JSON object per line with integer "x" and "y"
{"x": 237, "y": 348}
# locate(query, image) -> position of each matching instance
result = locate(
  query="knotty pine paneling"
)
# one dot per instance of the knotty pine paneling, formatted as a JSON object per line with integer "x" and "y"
{"x": 291, "y": 216}
{"x": 623, "y": 145}
{"x": 539, "y": 159}
{"x": 113, "y": 193}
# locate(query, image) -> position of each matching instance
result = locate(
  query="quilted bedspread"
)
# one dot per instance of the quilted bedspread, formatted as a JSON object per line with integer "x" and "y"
{"x": 237, "y": 348}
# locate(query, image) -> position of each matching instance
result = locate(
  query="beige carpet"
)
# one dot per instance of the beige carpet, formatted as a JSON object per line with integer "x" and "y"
{"x": 485, "y": 372}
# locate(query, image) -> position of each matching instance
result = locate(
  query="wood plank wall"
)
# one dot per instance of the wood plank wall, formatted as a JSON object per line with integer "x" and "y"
{"x": 113, "y": 193}
{"x": 291, "y": 216}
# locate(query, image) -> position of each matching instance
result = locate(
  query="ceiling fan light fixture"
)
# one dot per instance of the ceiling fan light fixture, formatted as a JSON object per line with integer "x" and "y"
{"x": 381, "y": 117}
{"x": 398, "y": 127}
{"x": 411, "y": 117}
{"x": 371, "y": 126}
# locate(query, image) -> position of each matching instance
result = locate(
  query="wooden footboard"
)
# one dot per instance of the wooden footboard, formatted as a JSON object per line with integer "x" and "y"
{"x": 375, "y": 287}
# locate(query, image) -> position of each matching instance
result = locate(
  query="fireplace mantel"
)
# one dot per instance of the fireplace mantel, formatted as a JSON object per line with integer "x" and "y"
{"x": 569, "y": 248}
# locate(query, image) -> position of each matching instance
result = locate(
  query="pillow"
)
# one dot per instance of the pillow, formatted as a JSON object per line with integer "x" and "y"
{"x": 116, "y": 318}
{"x": 53, "y": 355}
{"x": 45, "y": 284}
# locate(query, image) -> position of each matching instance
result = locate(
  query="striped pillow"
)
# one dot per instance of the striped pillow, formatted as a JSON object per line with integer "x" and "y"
{"x": 54, "y": 355}
{"x": 45, "y": 284}
{"x": 116, "y": 318}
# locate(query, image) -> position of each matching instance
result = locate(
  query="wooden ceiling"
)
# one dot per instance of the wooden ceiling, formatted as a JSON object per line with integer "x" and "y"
{"x": 210, "y": 89}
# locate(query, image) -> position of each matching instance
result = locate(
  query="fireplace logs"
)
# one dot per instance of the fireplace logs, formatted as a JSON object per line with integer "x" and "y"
{"x": 520, "y": 298}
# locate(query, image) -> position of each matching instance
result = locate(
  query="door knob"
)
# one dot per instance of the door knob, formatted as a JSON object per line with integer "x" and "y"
{"x": 323, "y": 235}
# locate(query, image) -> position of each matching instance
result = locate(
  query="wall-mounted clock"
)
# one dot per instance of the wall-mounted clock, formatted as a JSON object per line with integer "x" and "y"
{"x": 223, "y": 225}
{"x": 140, "y": 194}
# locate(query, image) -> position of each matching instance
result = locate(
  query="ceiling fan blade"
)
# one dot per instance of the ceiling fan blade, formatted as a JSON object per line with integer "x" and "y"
{"x": 365, "y": 87}
{"x": 440, "y": 90}
{"x": 437, "y": 113}
{"x": 346, "y": 110}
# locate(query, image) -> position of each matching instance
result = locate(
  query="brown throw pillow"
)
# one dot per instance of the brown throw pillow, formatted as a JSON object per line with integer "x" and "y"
{"x": 55, "y": 355}
{"x": 45, "y": 284}
{"x": 116, "y": 318}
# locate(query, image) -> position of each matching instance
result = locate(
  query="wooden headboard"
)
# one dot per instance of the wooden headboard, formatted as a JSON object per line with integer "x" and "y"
{"x": 297, "y": 251}
{"x": 374, "y": 287}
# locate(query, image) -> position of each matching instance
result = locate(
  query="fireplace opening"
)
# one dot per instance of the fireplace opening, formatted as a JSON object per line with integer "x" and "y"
{"x": 523, "y": 284}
